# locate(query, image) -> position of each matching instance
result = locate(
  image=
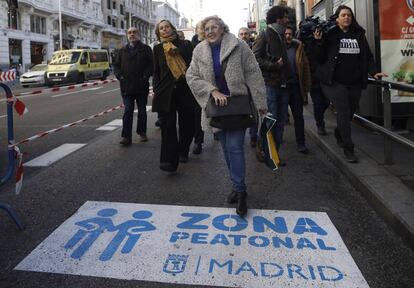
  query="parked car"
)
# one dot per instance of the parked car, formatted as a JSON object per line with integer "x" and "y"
{"x": 35, "y": 76}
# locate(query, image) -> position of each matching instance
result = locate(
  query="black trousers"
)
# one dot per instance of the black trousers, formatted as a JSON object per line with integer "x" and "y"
{"x": 345, "y": 98}
{"x": 198, "y": 131}
{"x": 173, "y": 145}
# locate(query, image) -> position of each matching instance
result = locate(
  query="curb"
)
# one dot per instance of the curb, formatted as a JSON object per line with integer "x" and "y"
{"x": 392, "y": 200}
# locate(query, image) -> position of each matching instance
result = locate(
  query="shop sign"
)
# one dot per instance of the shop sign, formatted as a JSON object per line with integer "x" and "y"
{"x": 397, "y": 44}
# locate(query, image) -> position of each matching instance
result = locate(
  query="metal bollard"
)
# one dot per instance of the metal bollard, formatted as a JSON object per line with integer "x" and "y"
{"x": 11, "y": 163}
{"x": 387, "y": 125}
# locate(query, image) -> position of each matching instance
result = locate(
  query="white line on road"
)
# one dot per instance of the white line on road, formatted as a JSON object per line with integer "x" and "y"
{"x": 2, "y": 116}
{"x": 81, "y": 91}
{"x": 111, "y": 125}
{"x": 54, "y": 155}
{"x": 108, "y": 91}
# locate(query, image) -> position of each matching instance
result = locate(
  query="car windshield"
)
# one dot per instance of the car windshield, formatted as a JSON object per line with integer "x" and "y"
{"x": 40, "y": 67}
{"x": 64, "y": 57}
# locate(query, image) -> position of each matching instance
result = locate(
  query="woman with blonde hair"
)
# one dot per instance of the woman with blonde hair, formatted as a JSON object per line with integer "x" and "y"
{"x": 222, "y": 68}
{"x": 172, "y": 56}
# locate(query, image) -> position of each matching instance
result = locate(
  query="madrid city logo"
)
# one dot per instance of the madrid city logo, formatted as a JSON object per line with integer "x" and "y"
{"x": 175, "y": 263}
{"x": 410, "y": 4}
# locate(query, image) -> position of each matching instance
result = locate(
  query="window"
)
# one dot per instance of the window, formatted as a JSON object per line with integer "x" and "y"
{"x": 109, "y": 20}
{"x": 98, "y": 57}
{"x": 113, "y": 23}
{"x": 121, "y": 9}
{"x": 114, "y": 5}
{"x": 108, "y": 4}
{"x": 14, "y": 21}
{"x": 122, "y": 24}
{"x": 37, "y": 24}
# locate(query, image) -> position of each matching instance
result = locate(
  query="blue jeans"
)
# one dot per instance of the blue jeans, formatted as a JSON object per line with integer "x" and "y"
{"x": 277, "y": 105}
{"x": 127, "y": 119}
{"x": 320, "y": 104}
{"x": 232, "y": 142}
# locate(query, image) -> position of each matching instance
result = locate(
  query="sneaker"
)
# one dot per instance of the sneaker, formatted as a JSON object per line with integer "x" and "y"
{"x": 144, "y": 137}
{"x": 350, "y": 156}
{"x": 253, "y": 142}
{"x": 125, "y": 141}
{"x": 322, "y": 131}
{"x": 303, "y": 149}
{"x": 198, "y": 148}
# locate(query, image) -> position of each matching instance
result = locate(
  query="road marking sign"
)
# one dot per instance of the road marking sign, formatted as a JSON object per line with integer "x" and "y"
{"x": 54, "y": 155}
{"x": 199, "y": 246}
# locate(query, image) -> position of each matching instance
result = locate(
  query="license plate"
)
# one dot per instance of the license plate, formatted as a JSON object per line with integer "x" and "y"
{"x": 56, "y": 79}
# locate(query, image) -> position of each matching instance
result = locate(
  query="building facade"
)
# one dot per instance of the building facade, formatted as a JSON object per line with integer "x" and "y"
{"x": 30, "y": 30}
{"x": 165, "y": 10}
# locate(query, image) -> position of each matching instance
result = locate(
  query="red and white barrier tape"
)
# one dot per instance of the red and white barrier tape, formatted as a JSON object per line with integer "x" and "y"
{"x": 70, "y": 87}
{"x": 19, "y": 155}
{"x": 7, "y": 76}
{"x": 43, "y": 134}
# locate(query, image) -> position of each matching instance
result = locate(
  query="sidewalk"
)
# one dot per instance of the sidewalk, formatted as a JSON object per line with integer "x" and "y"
{"x": 389, "y": 188}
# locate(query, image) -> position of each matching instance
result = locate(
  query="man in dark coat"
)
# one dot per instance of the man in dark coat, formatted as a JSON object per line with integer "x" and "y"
{"x": 271, "y": 54}
{"x": 133, "y": 66}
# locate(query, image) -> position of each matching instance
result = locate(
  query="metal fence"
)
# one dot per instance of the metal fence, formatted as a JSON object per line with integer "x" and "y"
{"x": 385, "y": 130}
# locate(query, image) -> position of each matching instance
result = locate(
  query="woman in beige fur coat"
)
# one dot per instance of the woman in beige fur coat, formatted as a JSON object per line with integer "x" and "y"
{"x": 242, "y": 71}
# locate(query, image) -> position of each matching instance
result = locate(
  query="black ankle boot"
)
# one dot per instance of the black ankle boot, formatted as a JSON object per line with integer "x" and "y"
{"x": 232, "y": 197}
{"x": 241, "y": 209}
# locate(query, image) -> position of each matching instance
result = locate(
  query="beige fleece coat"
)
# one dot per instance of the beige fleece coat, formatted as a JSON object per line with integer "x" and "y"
{"x": 242, "y": 69}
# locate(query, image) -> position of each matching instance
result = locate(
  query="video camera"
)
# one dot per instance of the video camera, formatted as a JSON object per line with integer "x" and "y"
{"x": 312, "y": 23}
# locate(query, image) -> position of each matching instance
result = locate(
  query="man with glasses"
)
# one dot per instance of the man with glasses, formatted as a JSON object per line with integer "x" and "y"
{"x": 133, "y": 66}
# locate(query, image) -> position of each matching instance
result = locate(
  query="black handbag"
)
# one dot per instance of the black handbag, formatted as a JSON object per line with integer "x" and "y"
{"x": 239, "y": 113}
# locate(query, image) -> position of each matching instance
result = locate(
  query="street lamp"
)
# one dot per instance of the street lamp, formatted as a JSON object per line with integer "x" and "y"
{"x": 60, "y": 27}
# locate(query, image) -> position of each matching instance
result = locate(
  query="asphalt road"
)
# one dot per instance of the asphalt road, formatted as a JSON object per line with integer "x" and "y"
{"x": 104, "y": 171}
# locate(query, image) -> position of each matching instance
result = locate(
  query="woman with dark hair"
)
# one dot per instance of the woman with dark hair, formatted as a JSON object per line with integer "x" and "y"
{"x": 345, "y": 63}
{"x": 172, "y": 94}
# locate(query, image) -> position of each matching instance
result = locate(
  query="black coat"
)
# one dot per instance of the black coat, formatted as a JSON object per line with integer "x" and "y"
{"x": 328, "y": 51}
{"x": 268, "y": 49}
{"x": 164, "y": 82}
{"x": 133, "y": 67}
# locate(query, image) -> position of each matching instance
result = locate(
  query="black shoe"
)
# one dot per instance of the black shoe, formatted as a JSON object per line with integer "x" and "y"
{"x": 125, "y": 141}
{"x": 303, "y": 149}
{"x": 338, "y": 138}
{"x": 158, "y": 123}
{"x": 253, "y": 142}
{"x": 241, "y": 209}
{"x": 183, "y": 158}
{"x": 168, "y": 167}
{"x": 232, "y": 197}
{"x": 198, "y": 148}
{"x": 350, "y": 156}
{"x": 144, "y": 137}
{"x": 322, "y": 131}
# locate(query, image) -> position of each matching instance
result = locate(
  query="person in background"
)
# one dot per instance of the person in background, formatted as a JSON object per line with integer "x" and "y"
{"x": 133, "y": 66}
{"x": 206, "y": 79}
{"x": 244, "y": 35}
{"x": 172, "y": 95}
{"x": 345, "y": 63}
{"x": 197, "y": 38}
{"x": 181, "y": 35}
{"x": 271, "y": 54}
{"x": 298, "y": 85}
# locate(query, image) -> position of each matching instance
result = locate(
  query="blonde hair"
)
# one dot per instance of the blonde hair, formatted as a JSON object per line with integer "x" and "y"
{"x": 219, "y": 21}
